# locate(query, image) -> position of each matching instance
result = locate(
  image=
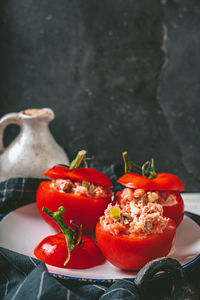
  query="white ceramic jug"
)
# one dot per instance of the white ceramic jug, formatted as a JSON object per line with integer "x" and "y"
{"x": 34, "y": 150}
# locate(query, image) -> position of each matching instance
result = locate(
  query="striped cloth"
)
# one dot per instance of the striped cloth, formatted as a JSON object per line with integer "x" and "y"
{"x": 24, "y": 277}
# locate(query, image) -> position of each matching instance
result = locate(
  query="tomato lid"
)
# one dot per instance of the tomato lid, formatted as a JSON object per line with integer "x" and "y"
{"x": 161, "y": 182}
{"x": 88, "y": 174}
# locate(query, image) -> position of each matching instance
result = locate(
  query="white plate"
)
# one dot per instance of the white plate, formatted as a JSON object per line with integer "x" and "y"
{"x": 23, "y": 229}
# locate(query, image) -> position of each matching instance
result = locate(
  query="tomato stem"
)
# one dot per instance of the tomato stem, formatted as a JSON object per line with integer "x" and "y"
{"x": 75, "y": 164}
{"x": 71, "y": 236}
{"x": 147, "y": 169}
{"x": 152, "y": 172}
{"x": 128, "y": 164}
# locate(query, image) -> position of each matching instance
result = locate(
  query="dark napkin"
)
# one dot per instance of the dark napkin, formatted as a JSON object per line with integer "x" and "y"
{"x": 23, "y": 277}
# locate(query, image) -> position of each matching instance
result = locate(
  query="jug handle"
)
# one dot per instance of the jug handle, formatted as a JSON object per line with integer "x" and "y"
{"x": 11, "y": 118}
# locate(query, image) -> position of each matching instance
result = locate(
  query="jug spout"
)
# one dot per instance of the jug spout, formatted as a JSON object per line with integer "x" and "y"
{"x": 41, "y": 114}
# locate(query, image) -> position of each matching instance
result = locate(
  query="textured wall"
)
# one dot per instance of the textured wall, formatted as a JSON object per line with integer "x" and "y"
{"x": 119, "y": 75}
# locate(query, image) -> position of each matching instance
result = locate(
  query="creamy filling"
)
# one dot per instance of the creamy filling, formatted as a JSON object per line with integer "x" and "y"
{"x": 135, "y": 219}
{"x": 83, "y": 188}
{"x": 140, "y": 211}
{"x": 140, "y": 196}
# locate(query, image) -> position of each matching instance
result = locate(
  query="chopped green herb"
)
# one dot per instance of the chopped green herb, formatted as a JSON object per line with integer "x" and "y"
{"x": 86, "y": 183}
{"x": 102, "y": 221}
{"x": 115, "y": 212}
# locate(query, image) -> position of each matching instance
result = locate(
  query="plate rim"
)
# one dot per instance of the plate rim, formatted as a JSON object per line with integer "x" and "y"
{"x": 85, "y": 279}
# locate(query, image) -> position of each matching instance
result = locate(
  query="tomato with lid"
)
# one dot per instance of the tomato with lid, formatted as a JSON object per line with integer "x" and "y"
{"x": 162, "y": 188}
{"x": 84, "y": 192}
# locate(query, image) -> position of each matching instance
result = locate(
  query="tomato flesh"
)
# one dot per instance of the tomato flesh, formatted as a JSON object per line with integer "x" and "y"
{"x": 80, "y": 209}
{"x": 132, "y": 252}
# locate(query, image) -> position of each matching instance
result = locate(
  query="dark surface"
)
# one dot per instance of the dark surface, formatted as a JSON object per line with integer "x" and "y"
{"x": 119, "y": 75}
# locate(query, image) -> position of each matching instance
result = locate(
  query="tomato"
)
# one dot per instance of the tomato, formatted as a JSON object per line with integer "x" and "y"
{"x": 53, "y": 251}
{"x": 152, "y": 181}
{"x": 161, "y": 182}
{"x": 88, "y": 174}
{"x": 132, "y": 252}
{"x": 175, "y": 211}
{"x": 81, "y": 209}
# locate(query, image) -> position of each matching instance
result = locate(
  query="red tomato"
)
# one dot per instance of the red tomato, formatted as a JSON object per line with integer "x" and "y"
{"x": 175, "y": 211}
{"x": 162, "y": 182}
{"x": 53, "y": 251}
{"x": 132, "y": 252}
{"x": 87, "y": 174}
{"x": 81, "y": 209}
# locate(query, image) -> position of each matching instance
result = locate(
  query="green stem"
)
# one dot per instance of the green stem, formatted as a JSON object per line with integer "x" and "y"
{"x": 152, "y": 170}
{"x": 147, "y": 169}
{"x": 75, "y": 164}
{"x": 71, "y": 236}
{"x": 85, "y": 163}
{"x": 144, "y": 171}
{"x": 128, "y": 164}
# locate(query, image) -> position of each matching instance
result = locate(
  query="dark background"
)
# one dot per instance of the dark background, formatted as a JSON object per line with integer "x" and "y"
{"x": 119, "y": 75}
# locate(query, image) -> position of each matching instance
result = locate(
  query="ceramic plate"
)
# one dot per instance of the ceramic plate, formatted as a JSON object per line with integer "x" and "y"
{"x": 23, "y": 229}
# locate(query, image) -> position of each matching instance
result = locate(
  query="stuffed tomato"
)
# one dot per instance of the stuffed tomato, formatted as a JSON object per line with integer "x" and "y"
{"x": 84, "y": 193}
{"x": 161, "y": 188}
{"x": 131, "y": 236}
